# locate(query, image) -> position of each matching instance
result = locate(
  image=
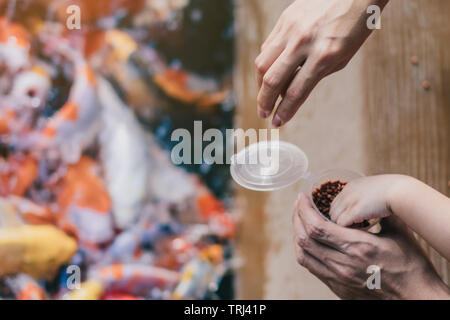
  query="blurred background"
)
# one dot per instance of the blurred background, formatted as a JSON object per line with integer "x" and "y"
{"x": 91, "y": 204}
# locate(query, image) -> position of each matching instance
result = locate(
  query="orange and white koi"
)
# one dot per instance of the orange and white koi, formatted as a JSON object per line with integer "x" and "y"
{"x": 174, "y": 252}
{"x": 76, "y": 124}
{"x": 158, "y": 12}
{"x": 136, "y": 279}
{"x": 190, "y": 88}
{"x": 31, "y": 212}
{"x": 14, "y": 46}
{"x": 17, "y": 173}
{"x": 8, "y": 121}
{"x": 199, "y": 274}
{"x": 119, "y": 296}
{"x": 31, "y": 87}
{"x": 84, "y": 203}
{"x": 213, "y": 211}
{"x": 25, "y": 287}
{"x": 122, "y": 65}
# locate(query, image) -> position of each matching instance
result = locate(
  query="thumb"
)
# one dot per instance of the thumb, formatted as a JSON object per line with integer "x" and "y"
{"x": 346, "y": 218}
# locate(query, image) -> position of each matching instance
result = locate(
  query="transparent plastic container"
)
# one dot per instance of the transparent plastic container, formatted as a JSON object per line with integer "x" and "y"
{"x": 293, "y": 166}
{"x": 315, "y": 181}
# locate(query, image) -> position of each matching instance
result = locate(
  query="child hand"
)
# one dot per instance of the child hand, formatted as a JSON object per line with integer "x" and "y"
{"x": 363, "y": 199}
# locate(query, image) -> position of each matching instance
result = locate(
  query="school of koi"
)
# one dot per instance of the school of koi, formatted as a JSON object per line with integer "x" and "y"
{"x": 82, "y": 182}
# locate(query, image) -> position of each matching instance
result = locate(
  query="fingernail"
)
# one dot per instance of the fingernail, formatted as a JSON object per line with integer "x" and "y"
{"x": 277, "y": 121}
{"x": 263, "y": 114}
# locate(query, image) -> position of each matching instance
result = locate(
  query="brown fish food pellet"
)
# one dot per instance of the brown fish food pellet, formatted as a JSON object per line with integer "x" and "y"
{"x": 426, "y": 85}
{"x": 324, "y": 195}
{"x": 415, "y": 60}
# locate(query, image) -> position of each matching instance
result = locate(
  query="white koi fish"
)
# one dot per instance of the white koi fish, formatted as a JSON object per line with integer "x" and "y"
{"x": 125, "y": 157}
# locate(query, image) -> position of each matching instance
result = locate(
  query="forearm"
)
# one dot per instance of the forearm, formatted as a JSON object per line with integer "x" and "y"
{"x": 424, "y": 210}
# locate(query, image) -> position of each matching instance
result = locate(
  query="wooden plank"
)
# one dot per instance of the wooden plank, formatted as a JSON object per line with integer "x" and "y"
{"x": 328, "y": 128}
{"x": 408, "y": 126}
{"x": 251, "y": 240}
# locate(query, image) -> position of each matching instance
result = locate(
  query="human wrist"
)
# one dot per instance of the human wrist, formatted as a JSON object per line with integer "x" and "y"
{"x": 434, "y": 290}
{"x": 396, "y": 191}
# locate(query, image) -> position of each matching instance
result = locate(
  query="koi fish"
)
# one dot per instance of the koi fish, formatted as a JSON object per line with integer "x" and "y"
{"x": 122, "y": 64}
{"x": 25, "y": 288}
{"x": 126, "y": 159}
{"x": 190, "y": 88}
{"x": 76, "y": 124}
{"x": 30, "y": 211}
{"x": 32, "y": 87}
{"x": 35, "y": 250}
{"x": 174, "y": 252}
{"x": 14, "y": 46}
{"x": 136, "y": 279}
{"x": 154, "y": 12}
{"x": 8, "y": 120}
{"x": 213, "y": 211}
{"x": 119, "y": 296}
{"x": 17, "y": 173}
{"x": 89, "y": 290}
{"x": 84, "y": 203}
{"x": 127, "y": 244}
{"x": 199, "y": 274}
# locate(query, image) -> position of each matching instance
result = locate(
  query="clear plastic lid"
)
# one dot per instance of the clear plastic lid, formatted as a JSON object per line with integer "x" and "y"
{"x": 269, "y": 165}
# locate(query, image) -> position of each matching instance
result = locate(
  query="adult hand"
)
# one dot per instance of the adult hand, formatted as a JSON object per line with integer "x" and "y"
{"x": 339, "y": 257}
{"x": 311, "y": 40}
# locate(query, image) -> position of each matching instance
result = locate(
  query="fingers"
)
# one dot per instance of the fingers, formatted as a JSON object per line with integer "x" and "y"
{"x": 324, "y": 231}
{"x": 266, "y": 58}
{"x": 305, "y": 258}
{"x": 313, "y": 265}
{"x": 276, "y": 80}
{"x": 339, "y": 211}
{"x": 337, "y": 206}
{"x": 311, "y": 246}
{"x": 341, "y": 208}
{"x": 297, "y": 92}
{"x": 347, "y": 218}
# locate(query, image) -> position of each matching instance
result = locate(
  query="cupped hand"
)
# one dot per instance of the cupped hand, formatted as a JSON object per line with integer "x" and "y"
{"x": 311, "y": 40}
{"x": 340, "y": 258}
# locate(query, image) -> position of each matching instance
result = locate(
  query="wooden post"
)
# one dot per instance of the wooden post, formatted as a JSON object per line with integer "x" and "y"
{"x": 407, "y": 122}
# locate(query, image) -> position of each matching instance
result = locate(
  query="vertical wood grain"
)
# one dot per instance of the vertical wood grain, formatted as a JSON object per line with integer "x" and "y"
{"x": 407, "y": 125}
{"x": 251, "y": 239}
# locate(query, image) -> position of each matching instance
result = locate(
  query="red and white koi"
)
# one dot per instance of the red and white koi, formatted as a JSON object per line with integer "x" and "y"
{"x": 136, "y": 279}
{"x": 25, "y": 287}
